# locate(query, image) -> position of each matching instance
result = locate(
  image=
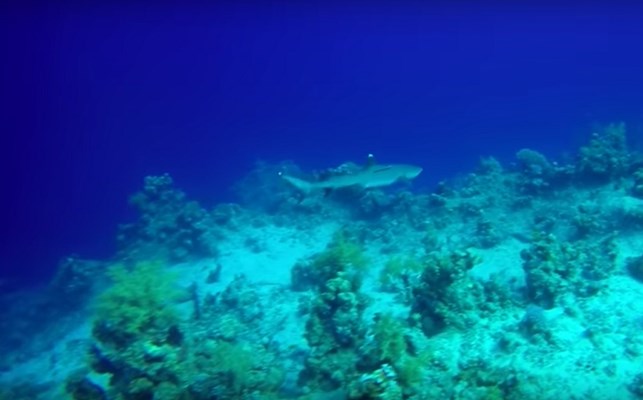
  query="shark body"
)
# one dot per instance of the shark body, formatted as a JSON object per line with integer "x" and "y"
{"x": 372, "y": 175}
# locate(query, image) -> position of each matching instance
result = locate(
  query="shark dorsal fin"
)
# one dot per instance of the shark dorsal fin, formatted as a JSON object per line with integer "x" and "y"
{"x": 370, "y": 161}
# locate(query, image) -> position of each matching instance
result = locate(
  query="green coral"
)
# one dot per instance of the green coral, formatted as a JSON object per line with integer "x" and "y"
{"x": 341, "y": 255}
{"x": 446, "y": 295}
{"x": 139, "y": 302}
{"x": 554, "y": 268}
{"x": 243, "y": 369}
{"x": 390, "y": 339}
{"x": 151, "y": 354}
{"x": 334, "y": 329}
{"x": 398, "y": 273}
{"x": 389, "y": 336}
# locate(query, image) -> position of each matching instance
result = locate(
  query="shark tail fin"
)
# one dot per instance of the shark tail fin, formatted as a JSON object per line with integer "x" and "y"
{"x": 300, "y": 184}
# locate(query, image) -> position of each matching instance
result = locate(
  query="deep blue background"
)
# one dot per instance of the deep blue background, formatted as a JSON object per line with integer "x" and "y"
{"x": 95, "y": 98}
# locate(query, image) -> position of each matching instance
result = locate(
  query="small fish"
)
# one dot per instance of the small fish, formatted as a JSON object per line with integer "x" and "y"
{"x": 372, "y": 175}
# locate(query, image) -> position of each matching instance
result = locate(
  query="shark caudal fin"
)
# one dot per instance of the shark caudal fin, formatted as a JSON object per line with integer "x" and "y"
{"x": 300, "y": 184}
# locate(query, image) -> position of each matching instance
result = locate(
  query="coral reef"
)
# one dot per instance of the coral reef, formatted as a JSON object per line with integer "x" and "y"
{"x": 606, "y": 156}
{"x": 445, "y": 294}
{"x": 334, "y": 327}
{"x": 520, "y": 281}
{"x": 170, "y": 226}
{"x": 150, "y": 353}
{"x": 139, "y": 303}
{"x": 554, "y": 269}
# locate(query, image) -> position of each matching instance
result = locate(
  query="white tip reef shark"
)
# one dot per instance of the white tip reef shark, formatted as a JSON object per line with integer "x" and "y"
{"x": 372, "y": 175}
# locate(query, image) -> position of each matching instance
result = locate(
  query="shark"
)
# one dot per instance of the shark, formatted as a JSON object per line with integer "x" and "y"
{"x": 371, "y": 176}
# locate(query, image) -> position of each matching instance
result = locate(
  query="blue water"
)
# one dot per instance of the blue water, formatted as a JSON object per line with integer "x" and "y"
{"x": 96, "y": 98}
